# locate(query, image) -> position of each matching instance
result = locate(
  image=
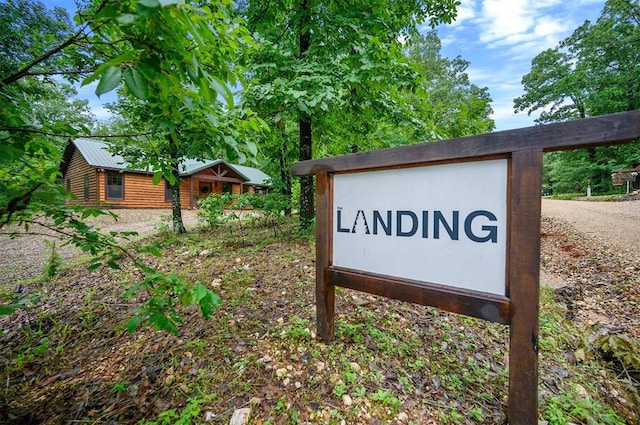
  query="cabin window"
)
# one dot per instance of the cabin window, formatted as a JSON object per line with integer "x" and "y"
{"x": 246, "y": 188}
{"x": 168, "y": 192}
{"x": 227, "y": 188}
{"x": 204, "y": 188}
{"x": 115, "y": 185}
{"x": 68, "y": 185}
{"x": 86, "y": 187}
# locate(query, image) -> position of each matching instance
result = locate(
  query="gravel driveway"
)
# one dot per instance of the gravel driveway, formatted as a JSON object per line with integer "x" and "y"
{"x": 614, "y": 223}
{"x": 24, "y": 257}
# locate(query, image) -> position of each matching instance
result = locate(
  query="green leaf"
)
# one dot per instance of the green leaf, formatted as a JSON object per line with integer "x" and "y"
{"x": 133, "y": 323}
{"x": 149, "y": 3}
{"x": 7, "y": 309}
{"x": 162, "y": 322}
{"x": 221, "y": 88}
{"x": 157, "y": 177}
{"x": 127, "y": 18}
{"x": 109, "y": 81}
{"x": 131, "y": 291}
{"x": 136, "y": 83}
{"x": 185, "y": 298}
{"x": 165, "y": 3}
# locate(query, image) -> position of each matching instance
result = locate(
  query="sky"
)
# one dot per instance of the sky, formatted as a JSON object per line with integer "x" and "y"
{"x": 498, "y": 37}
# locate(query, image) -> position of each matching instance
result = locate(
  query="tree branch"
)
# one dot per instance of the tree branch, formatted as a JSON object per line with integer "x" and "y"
{"x": 75, "y": 38}
{"x": 88, "y": 136}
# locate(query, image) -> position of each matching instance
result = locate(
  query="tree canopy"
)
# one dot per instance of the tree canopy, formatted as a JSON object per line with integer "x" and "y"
{"x": 595, "y": 71}
{"x": 316, "y": 57}
{"x": 177, "y": 57}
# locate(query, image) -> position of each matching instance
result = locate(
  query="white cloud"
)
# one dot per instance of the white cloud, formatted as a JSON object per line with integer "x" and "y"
{"x": 466, "y": 11}
{"x": 500, "y": 38}
{"x": 503, "y": 19}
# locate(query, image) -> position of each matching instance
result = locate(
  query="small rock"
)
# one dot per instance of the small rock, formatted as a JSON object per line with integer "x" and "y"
{"x": 320, "y": 366}
{"x": 403, "y": 417}
{"x": 297, "y": 384}
{"x": 205, "y": 253}
{"x": 581, "y": 392}
{"x": 346, "y": 400}
{"x": 281, "y": 373}
{"x": 216, "y": 283}
{"x": 265, "y": 359}
{"x": 209, "y": 417}
{"x": 240, "y": 416}
{"x": 286, "y": 382}
{"x": 355, "y": 367}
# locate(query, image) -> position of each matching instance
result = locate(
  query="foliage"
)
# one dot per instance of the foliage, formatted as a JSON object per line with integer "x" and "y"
{"x": 167, "y": 292}
{"x": 595, "y": 71}
{"x": 176, "y": 84}
{"x": 454, "y": 105}
{"x": 171, "y": 417}
{"x": 624, "y": 350}
{"x": 264, "y": 207}
{"x": 212, "y": 209}
{"x": 54, "y": 262}
{"x": 178, "y": 58}
{"x": 568, "y": 407}
{"x": 318, "y": 57}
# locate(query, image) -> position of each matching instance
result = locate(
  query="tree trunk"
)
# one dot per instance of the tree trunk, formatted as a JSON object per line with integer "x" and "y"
{"x": 285, "y": 174}
{"x": 176, "y": 213}
{"x": 178, "y": 224}
{"x": 306, "y": 183}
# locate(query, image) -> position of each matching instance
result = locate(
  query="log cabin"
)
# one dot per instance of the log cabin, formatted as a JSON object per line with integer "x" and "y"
{"x": 93, "y": 175}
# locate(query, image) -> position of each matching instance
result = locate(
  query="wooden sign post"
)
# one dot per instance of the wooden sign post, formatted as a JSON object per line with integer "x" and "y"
{"x": 472, "y": 250}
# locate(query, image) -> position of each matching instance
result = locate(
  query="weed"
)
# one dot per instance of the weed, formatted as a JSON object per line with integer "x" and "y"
{"x": 476, "y": 414}
{"x": 387, "y": 398}
{"x": 54, "y": 262}
{"x": 299, "y": 329}
{"x": 339, "y": 389}
{"x": 30, "y": 353}
{"x": 120, "y": 387}
{"x": 567, "y": 407}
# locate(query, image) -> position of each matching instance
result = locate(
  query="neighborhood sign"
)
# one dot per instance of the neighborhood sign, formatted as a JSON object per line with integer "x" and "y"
{"x": 412, "y": 222}
{"x": 453, "y": 224}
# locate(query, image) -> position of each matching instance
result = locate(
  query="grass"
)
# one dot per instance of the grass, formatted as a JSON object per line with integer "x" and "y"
{"x": 610, "y": 197}
{"x": 389, "y": 361}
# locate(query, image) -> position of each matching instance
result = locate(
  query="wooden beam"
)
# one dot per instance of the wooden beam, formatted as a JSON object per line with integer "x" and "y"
{"x": 494, "y": 308}
{"x": 325, "y": 291}
{"x": 598, "y": 131}
{"x": 524, "y": 282}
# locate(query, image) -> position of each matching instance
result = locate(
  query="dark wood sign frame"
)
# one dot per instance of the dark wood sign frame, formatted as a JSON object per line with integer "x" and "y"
{"x": 519, "y": 307}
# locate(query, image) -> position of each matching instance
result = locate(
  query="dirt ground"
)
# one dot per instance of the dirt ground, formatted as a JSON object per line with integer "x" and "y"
{"x": 259, "y": 349}
{"x": 615, "y": 224}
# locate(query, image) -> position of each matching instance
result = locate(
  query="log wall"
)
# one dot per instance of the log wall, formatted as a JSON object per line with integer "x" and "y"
{"x": 74, "y": 180}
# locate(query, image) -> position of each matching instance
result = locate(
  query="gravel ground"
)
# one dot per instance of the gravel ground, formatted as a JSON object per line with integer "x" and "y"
{"x": 24, "y": 257}
{"x": 613, "y": 223}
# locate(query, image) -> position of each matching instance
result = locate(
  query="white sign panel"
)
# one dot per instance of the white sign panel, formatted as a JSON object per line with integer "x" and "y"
{"x": 442, "y": 224}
